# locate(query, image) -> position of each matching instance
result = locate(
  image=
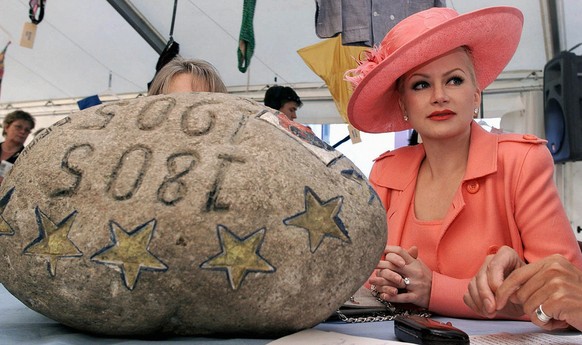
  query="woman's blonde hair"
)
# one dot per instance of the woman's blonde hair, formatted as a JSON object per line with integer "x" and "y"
{"x": 201, "y": 69}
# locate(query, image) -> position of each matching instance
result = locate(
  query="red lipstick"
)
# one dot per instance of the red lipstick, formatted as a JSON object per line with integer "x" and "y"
{"x": 441, "y": 114}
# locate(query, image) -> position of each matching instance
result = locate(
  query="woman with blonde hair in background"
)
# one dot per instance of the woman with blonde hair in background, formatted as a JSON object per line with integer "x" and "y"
{"x": 187, "y": 75}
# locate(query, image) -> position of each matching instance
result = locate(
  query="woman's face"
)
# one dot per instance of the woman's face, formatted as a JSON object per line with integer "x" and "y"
{"x": 18, "y": 131}
{"x": 290, "y": 110}
{"x": 440, "y": 96}
{"x": 185, "y": 83}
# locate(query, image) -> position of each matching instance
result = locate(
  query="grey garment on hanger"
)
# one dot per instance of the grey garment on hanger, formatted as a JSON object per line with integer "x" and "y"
{"x": 364, "y": 22}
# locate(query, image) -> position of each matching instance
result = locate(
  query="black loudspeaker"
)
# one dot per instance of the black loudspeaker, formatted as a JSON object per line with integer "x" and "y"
{"x": 563, "y": 106}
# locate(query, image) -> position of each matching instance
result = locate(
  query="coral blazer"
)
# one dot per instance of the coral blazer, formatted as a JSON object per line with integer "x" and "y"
{"x": 507, "y": 197}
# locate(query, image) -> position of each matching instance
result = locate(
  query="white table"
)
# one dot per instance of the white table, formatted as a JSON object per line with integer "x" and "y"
{"x": 21, "y": 325}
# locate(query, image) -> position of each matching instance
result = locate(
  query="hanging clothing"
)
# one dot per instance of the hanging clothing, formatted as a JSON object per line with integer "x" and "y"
{"x": 2, "y": 57}
{"x": 246, "y": 41}
{"x": 365, "y": 22}
{"x": 329, "y": 59}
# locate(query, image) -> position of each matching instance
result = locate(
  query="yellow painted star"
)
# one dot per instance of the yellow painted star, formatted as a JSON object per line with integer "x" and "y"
{"x": 5, "y": 228}
{"x": 239, "y": 256}
{"x": 130, "y": 252}
{"x": 53, "y": 241}
{"x": 320, "y": 219}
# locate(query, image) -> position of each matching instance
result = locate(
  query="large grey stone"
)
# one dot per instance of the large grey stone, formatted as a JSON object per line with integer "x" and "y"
{"x": 200, "y": 214}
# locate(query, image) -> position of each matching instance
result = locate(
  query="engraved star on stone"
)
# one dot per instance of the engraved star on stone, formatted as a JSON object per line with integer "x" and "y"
{"x": 5, "y": 227}
{"x": 320, "y": 219}
{"x": 130, "y": 252}
{"x": 239, "y": 256}
{"x": 53, "y": 241}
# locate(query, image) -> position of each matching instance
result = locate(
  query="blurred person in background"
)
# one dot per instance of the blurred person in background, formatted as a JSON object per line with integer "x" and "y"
{"x": 187, "y": 75}
{"x": 16, "y": 127}
{"x": 284, "y": 99}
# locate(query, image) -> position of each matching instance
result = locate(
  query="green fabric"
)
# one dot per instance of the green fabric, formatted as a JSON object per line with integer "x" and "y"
{"x": 247, "y": 36}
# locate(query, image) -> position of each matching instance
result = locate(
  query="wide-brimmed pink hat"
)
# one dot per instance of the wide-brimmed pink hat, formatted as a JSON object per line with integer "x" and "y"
{"x": 491, "y": 34}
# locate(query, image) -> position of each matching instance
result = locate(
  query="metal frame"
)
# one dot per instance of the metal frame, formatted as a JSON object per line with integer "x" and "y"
{"x": 143, "y": 27}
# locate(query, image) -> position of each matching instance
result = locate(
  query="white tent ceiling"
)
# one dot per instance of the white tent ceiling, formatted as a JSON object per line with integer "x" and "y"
{"x": 79, "y": 44}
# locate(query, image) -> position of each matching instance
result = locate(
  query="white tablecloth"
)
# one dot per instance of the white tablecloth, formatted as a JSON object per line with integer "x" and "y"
{"x": 21, "y": 325}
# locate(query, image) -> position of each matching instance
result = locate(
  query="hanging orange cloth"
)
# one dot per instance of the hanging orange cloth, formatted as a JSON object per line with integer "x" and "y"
{"x": 329, "y": 59}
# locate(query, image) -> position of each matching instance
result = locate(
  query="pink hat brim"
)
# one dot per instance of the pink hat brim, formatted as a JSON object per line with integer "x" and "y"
{"x": 492, "y": 34}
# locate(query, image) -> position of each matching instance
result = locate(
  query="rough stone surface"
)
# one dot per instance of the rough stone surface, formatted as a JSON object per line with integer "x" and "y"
{"x": 186, "y": 214}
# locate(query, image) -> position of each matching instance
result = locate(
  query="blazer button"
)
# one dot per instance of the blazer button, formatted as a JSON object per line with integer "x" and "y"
{"x": 472, "y": 187}
{"x": 530, "y": 137}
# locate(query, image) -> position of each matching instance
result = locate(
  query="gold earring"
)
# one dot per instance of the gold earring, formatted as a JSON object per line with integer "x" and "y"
{"x": 405, "y": 118}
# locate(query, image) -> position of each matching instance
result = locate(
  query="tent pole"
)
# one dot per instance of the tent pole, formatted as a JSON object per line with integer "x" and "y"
{"x": 143, "y": 27}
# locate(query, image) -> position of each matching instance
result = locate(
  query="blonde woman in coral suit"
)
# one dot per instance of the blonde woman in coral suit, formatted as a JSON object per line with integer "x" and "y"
{"x": 464, "y": 192}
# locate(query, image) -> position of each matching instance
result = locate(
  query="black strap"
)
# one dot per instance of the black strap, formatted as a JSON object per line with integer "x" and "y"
{"x": 34, "y": 5}
{"x": 341, "y": 142}
{"x": 574, "y": 47}
{"x": 173, "y": 20}
{"x": 171, "y": 50}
